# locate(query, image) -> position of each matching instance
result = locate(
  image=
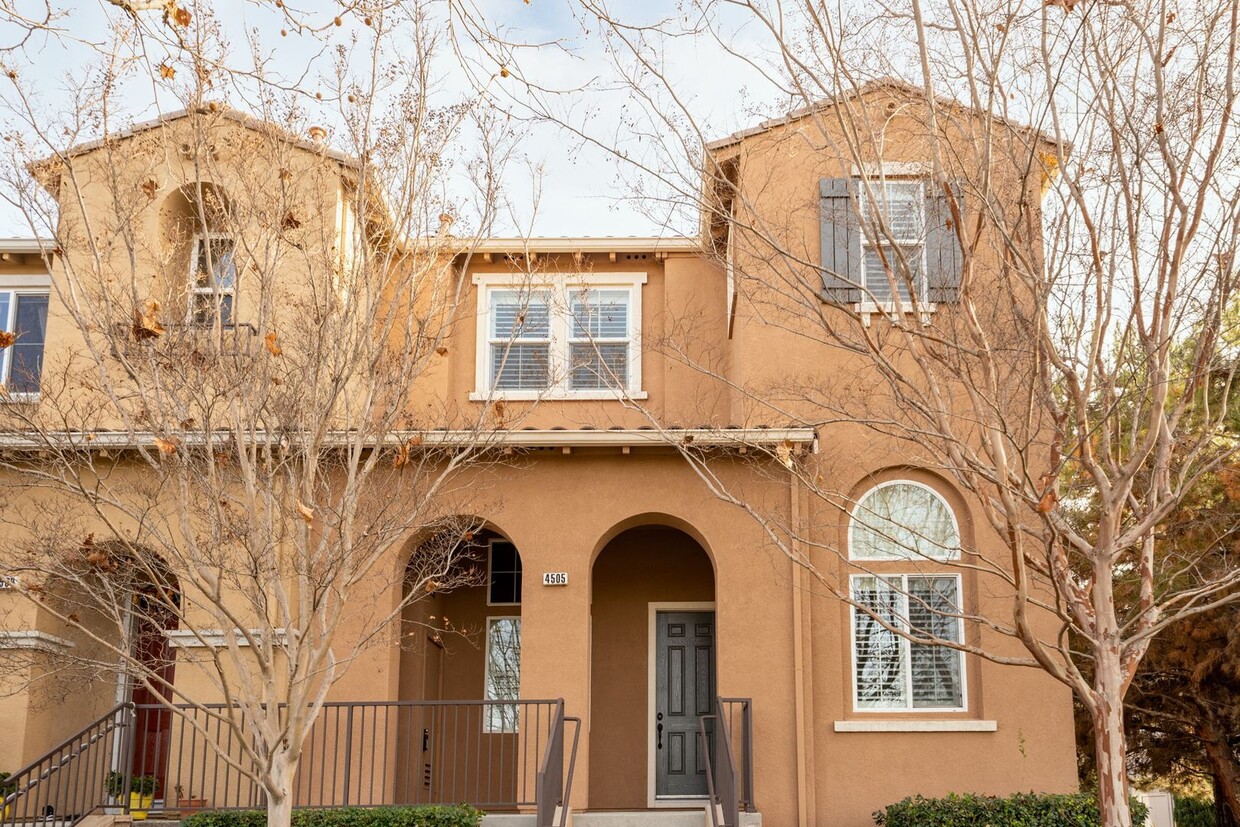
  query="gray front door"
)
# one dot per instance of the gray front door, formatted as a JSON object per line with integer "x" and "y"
{"x": 684, "y": 690}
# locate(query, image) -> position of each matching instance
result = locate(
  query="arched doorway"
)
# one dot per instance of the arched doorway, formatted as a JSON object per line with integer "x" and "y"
{"x": 145, "y": 596}
{"x": 652, "y": 668}
{"x": 460, "y": 660}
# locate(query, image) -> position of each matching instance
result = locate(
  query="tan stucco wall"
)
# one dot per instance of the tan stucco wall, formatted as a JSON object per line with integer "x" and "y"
{"x": 783, "y": 637}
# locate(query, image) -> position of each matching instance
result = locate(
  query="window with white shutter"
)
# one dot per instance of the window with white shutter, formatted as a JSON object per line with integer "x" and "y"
{"x": 892, "y": 250}
{"x": 599, "y": 339}
{"x": 893, "y": 672}
{"x": 563, "y": 340}
{"x": 520, "y": 344}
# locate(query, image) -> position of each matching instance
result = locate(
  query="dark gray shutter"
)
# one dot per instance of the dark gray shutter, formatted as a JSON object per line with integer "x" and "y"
{"x": 841, "y": 242}
{"x": 944, "y": 258}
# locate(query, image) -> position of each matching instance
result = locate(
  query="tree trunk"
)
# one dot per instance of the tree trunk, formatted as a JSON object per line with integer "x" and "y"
{"x": 280, "y": 792}
{"x": 1110, "y": 747}
{"x": 1226, "y": 770}
{"x": 1223, "y": 815}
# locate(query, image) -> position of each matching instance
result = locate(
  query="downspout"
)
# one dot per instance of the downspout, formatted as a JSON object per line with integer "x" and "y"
{"x": 800, "y": 655}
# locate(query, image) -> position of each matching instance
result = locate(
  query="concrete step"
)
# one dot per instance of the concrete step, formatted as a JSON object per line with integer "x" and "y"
{"x": 643, "y": 818}
{"x": 656, "y": 818}
{"x": 509, "y": 820}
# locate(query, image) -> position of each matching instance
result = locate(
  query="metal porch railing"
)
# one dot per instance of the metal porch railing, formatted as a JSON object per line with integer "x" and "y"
{"x": 496, "y": 755}
{"x": 729, "y": 785}
{"x": 68, "y": 782}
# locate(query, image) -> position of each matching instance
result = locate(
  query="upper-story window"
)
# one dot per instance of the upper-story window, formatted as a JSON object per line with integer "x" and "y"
{"x": 213, "y": 280}
{"x": 567, "y": 340}
{"x": 892, "y": 251}
{"x": 903, "y": 520}
{"x": 890, "y": 238}
{"x": 23, "y": 313}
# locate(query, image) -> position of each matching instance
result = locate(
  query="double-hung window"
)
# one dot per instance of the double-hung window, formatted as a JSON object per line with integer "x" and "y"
{"x": 519, "y": 347}
{"x": 600, "y": 338}
{"x": 213, "y": 280}
{"x": 892, "y": 672}
{"x": 23, "y": 313}
{"x": 892, "y": 247}
{"x": 565, "y": 340}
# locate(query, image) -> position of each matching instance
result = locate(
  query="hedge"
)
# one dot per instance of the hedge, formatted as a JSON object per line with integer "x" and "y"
{"x": 461, "y": 815}
{"x": 1193, "y": 812}
{"x": 1020, "y": 810}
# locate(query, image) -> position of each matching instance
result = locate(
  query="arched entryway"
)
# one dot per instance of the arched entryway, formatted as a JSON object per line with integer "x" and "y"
{"x": 460, "y": 660}
{"x": 652, "y": 667}
{"x": 147, "y": 599}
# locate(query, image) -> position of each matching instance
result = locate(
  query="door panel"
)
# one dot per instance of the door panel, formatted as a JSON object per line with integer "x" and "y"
{"x": 684, "y": 690}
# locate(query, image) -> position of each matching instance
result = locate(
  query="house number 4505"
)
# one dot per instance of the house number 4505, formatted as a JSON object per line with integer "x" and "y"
{"x": 555, "y": 578}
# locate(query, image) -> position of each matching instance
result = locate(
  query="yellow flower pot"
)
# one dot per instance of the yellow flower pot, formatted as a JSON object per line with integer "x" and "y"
{"x": 139, "y": 804}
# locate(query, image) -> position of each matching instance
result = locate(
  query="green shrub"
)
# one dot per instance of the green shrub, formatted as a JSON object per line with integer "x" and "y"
{"x": 114, "y": 784}
{"x": 1019, "y": 810}
{"x": 144, "y": 784}
{"x": 6, "y": 787}
{"x": 423, "y": 816}
{"x": 1193, "y": 812}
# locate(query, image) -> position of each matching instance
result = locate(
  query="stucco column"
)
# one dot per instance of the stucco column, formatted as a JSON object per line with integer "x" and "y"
{"x": 555, "y": 634}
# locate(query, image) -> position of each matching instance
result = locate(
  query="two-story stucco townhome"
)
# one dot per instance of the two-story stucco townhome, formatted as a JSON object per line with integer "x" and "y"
{"x": 613, "y": 579}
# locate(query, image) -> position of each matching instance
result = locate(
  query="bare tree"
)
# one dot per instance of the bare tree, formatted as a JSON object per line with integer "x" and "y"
{"x": 1051, "y": 328}
{"x": 240, "y": 432}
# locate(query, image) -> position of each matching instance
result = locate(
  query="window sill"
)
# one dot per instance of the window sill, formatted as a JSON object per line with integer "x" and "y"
{"x": 19, "y": 398}
{"x": 868, "y": 310}
{"x": 916, "y": 726}
{"x": 556, "y": 395}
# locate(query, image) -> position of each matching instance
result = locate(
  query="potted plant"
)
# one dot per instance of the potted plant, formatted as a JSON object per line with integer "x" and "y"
{"x": 114, "y": 786}
{"x": 7, "y": 788}
{"x": 141, "y": 795}
{"x": 189, "y": 802}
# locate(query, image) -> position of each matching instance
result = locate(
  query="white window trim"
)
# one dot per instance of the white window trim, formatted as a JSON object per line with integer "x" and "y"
{"x": 561, "y": 285}
{"x": 195, "y": 290}
{"x": 490, "y": 556}
{"x": 905, "y": 650}
{"x": 21, "y": 286}
{"x": 894, "y": 307}
{"x": 916, "y": 726}
{"x": 954, "y": 554}
{"x": 486, "y": 680}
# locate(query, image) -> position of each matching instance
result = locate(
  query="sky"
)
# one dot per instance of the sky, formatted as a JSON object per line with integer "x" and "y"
{"x": 557, "y": 184}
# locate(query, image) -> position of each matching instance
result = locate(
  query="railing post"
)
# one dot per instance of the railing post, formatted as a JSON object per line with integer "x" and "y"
{"x": 747, "y": 756}
{"x": 348, "y": 753}
{"x": 128, "y": 752}
{"x": 549, "y": 783}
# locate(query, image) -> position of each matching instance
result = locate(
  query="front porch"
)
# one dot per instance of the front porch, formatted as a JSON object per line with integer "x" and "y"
{"x": 367, "y": 754}
{"x": 597, "y": 695}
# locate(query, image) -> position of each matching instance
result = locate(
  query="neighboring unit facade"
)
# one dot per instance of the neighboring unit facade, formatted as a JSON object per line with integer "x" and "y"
{"x": 616, "y": 579}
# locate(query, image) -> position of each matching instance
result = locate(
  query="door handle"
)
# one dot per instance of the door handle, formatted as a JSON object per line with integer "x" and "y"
{"x": 659, "y": 733}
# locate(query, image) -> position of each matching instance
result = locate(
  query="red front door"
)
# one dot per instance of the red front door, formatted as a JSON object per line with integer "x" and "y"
{"x": 153, "y": 730}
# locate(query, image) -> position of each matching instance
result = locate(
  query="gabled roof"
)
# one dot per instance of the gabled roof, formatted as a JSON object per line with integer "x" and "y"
{"x": 215, "y": 110}
{"x": 884, "y": 84}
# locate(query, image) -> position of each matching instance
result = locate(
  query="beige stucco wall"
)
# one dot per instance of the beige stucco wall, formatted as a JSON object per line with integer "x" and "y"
{"x": 783, "y": 636}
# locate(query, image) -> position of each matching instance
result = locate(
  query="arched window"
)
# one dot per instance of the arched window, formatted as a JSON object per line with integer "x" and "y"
{"x": 903, "y": 520}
